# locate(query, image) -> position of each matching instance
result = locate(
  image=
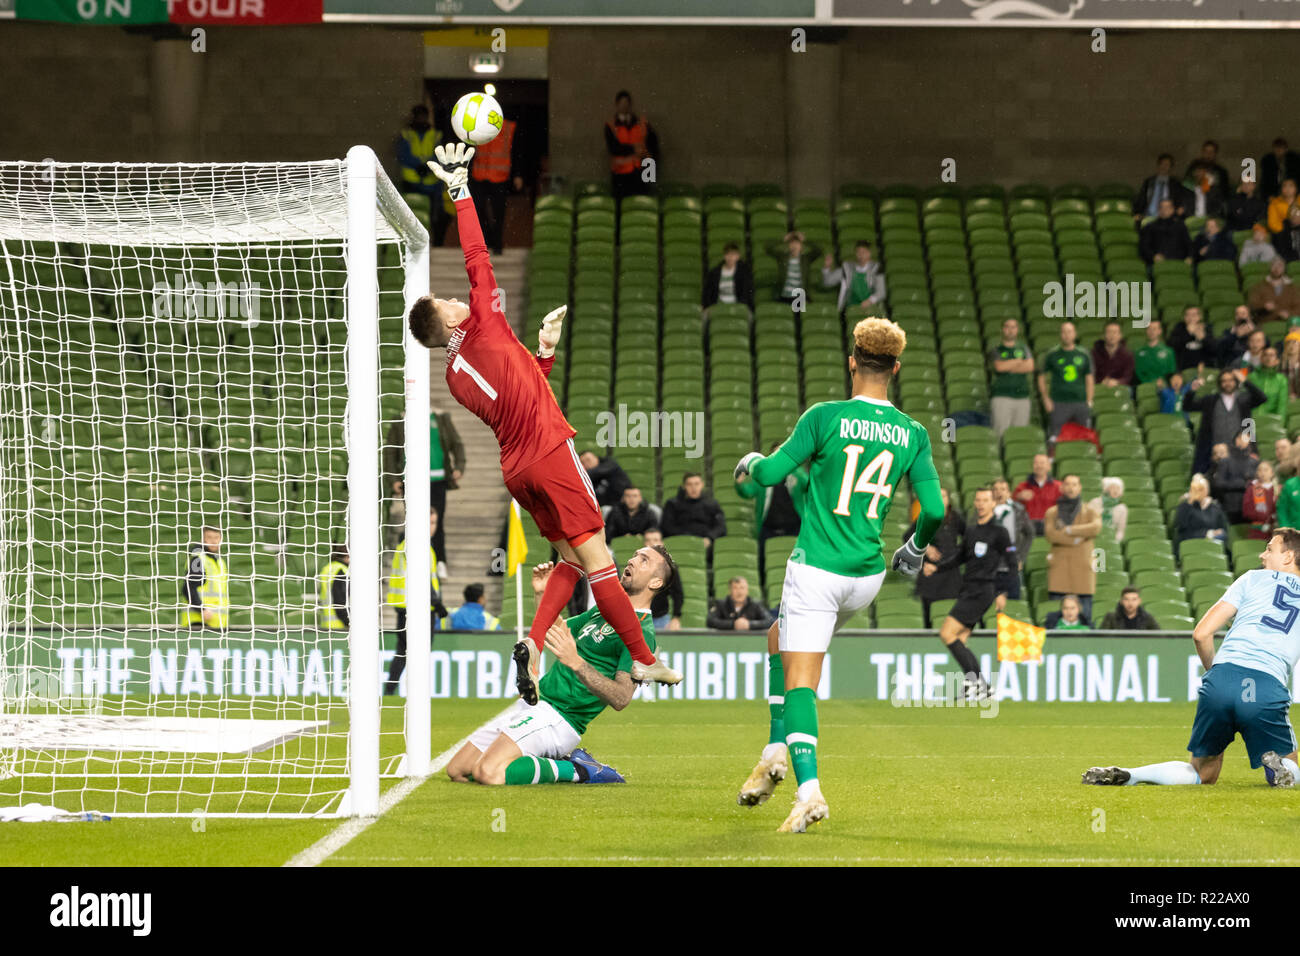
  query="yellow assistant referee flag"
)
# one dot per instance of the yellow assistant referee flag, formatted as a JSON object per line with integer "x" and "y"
{"x": 1018, "y": 641}
{"x": 516, "y": 544}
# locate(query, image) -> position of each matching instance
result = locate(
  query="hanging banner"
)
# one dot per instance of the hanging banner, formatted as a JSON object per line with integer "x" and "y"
{"x": 189, "y": 12}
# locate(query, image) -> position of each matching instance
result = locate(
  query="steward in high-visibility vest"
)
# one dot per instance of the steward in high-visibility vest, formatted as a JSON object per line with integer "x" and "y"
{"x": 397, "y": 598}
{"x": 333, "y": 594}
{"x": 414, "y": 152}
{"x": 492, "y": 160}
{"x": 397, "y": 579}
{"x": 207, "y": 585}
{"x": 623, "y": 162}
{"x": 629, "y": 140}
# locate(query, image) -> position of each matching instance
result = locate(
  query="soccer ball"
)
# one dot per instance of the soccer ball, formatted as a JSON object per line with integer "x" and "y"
{"x": 476, "y": 118}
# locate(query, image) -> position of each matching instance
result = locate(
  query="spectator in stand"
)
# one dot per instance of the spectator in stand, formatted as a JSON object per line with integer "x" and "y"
{"x": 1289, "y": 366}
{"x": 795, "y": 260}
{"x": 1259, "y": 247}
{"x": 1071, "y": 527}
{"x": 1286, "y": 460}
{"x": 1199, "y": 515}
{"x": 1165, "y": 237}
{"x": 332, "y": 596}
{"x": 1259, "y": 503}
{"x": 608, "y": 479}
{"x": 1222, "y": 412}
{"x": 693, "y": 512}
{"x": 1232, "y": 468}
{"x": 1208, "y": 181}
{"x": 731, "y": 282}
{"x": 1013, "y": 368}
{"x": 778, "y": 510}
{"x": 1288, "y": 502}
{"x": 1270, "y": 380}
{"x": 1065, "y": 382}
{"x": 861, "y": 280}
{"x": 1158, "y": 188}
{"x": 473, "y": 614}
{"x": 1155, "y": 361}
{"x": 1068, "y": 617}
{"x": 738, "y": 611}
{"x": 1235, "y": 342}
{"x": 1213, "y": 243}
{"x": 630, "y": 140}
{"x": 1274, "y": 298}
{"x": 1129, "y": 614}
{"x": 632, "y": 514}
{"x": 1277, "y": 167}
{"x": 1112, "y": 362}
{"x": 415, "y": 145}
{"x": 1252, "y": 356}
{"x": 666, "y": 616}
{"x": 1192, "y": 339}
{"x": 1171, "y": 395}
{"x": 1287, "y": 241}
{"x": 495, "y": 168}
{"x": 1279, "y": 207}
{"x": 1039, "y": 491}
{"x": 1245, "y": 207}
{"x": 1109, "y": 504}
{"x": 940, "y": 577}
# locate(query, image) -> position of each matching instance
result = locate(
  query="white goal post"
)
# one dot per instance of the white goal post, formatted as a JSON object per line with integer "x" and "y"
{"x": 200, "y": 365}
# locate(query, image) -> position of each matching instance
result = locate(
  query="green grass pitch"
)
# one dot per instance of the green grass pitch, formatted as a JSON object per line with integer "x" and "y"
{"x": 905, "y": 786}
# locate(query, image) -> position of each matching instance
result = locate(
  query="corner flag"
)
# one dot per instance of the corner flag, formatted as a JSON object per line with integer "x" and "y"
{"x": 516, "y": 545}
{"x": 1018, "y": 641}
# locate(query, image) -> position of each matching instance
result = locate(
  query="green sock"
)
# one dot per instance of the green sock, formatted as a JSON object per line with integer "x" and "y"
{"x": 801, "y": 733}
{"x": 526, "y": 770}
{"x": 776, "y": 698}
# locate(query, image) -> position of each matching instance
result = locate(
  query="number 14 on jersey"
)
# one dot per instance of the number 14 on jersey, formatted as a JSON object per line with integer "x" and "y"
{"x": 870, "y": 482}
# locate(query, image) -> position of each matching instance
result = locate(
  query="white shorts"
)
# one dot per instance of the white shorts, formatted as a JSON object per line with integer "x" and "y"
{"x": 538, "y": 730}
{"x": 816, "y": 603}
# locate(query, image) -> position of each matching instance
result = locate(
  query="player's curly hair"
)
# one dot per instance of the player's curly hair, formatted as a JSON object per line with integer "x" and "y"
{"x": 877, "y": 344}
{"x": 422, "y": 320}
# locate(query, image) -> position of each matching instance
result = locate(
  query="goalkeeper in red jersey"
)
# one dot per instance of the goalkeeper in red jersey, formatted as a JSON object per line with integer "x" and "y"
{"x": 493, "y": 374}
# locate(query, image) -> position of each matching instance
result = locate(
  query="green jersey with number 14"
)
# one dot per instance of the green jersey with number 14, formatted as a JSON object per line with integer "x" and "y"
{"x": 859, "y": 449}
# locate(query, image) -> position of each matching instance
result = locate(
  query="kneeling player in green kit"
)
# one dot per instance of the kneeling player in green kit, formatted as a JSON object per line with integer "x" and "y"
{"x": 859, "y": 449}
{"x": 538, "y": 743}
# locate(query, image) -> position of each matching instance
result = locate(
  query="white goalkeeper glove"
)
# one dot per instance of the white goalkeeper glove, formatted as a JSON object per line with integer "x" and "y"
{"x": 549, "y": 335}
{"x": 907, "y": 559}
{"x": 451, "y": 165}
{"x": 742, "y": 468}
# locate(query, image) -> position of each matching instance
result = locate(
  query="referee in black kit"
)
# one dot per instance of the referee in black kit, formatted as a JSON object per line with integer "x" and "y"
{"x": 985, "y": 543}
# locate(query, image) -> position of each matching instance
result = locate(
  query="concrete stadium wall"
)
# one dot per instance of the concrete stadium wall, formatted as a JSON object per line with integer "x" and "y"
{"x": 1009, "y": 105}
{"x": 276, "y": 93}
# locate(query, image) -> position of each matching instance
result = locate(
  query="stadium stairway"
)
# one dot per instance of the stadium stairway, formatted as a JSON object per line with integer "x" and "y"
{"x": 478, "y": 507}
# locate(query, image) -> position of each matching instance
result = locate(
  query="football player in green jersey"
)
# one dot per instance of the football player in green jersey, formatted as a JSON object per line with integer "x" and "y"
{"x": 859, "y": 449}
{"x": 538, "y": 743}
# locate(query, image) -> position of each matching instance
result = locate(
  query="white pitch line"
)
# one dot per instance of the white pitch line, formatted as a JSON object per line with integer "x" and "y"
{"x": 332, "y": 842}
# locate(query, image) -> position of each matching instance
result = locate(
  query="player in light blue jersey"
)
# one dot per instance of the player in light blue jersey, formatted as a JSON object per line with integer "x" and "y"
{"x": 1244, "y": 690}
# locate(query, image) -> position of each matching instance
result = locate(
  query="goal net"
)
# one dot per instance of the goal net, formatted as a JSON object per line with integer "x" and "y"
{"x": 199, "y": 364}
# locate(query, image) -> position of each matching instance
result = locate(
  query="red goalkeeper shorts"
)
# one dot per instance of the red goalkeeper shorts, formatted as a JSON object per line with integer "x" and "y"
{"x": 556, "y": 491}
